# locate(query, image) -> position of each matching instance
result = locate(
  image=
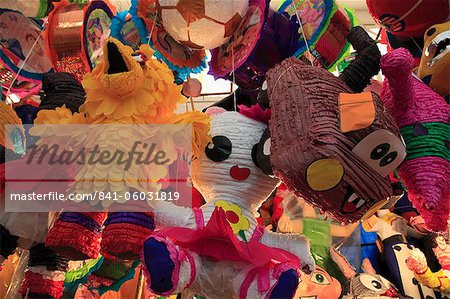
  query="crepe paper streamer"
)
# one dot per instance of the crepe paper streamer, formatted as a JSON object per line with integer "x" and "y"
{"x": 325, "y": 25}
{"x": 408, "y": 18}
{"x": 182, "y": 60}
{"x": 30, "y": 8}
{"x": 247, "y": 51}
{"x": 75, "y": 35}
{"x": 18, "y": 43}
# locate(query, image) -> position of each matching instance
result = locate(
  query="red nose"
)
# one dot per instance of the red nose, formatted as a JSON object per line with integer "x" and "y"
{"x": 238, "y": 173}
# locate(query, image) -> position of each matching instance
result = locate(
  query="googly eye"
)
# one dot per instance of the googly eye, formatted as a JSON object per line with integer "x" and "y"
{"x": 380, "y": 151}
{"x": 261, "y": 153}
{"x": 388, "y": 159}
{"x": 263, "y": 97}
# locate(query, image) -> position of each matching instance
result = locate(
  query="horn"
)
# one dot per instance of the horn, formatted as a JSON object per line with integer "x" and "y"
{"x": 367, "y": 63}
{"x": 342, "y": 263}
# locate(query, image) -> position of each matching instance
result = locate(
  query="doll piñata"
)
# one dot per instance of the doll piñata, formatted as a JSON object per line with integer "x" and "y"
{"x": 331, "y": 144}
{"x": 219, "y": 250}
{"x": 434, "y": 66}
{"x": 439, "y": 280}
{"x": 124, "y": 88}
{"x": 318, "y": 284}
{"x": 423, "y": 117}
{"x": 392, "y": 231}
{"x": 363, "y": 285}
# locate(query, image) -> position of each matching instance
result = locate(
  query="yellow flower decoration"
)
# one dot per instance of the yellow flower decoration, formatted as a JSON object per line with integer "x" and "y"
{"x": 234, "y": 216}
{"x": 141, "y": 94}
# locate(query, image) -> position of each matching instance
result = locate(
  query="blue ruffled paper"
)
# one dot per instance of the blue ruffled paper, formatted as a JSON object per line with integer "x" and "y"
{"x": 180, "y": 73}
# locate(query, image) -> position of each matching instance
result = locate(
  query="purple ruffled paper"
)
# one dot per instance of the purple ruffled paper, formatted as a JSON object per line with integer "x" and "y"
{"x": 276, "y": 41}
{"x": 139, "y": 219}
{"x": 80, "y": 219}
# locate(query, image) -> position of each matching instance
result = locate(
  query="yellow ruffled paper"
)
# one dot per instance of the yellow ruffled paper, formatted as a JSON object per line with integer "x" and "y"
{"x": 200, "y": 125}
{"x": 144, "y": 94}
{"x": 61, "y": 116}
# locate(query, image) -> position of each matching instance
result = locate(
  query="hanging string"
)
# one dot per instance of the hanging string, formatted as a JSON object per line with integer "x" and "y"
{"x": 303, "y": 31}
{"x": 24, "y": 61}
{"x": 192, "y": 103}
{"x": 379, "y": 34}
{"x": 234, "y": 79}
{"x": 417, "y": 45}
{"x": 410, "y": 11}
{"x": 151, "y": 31}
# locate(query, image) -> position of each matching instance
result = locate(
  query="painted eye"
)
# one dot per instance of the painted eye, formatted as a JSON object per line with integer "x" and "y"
{"x": 382, "y": 151}
{"x": 319, "y": 278}
{"x": 219, "y": 149}
{"x": 376, "y": 284}
{"x": 388, "y": 159}
{"x": 371, "y": 282}
{"x": 431, "y": 31}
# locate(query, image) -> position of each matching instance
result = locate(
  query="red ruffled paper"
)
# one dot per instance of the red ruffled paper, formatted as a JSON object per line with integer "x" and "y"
{"x": 36, "y": 283}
